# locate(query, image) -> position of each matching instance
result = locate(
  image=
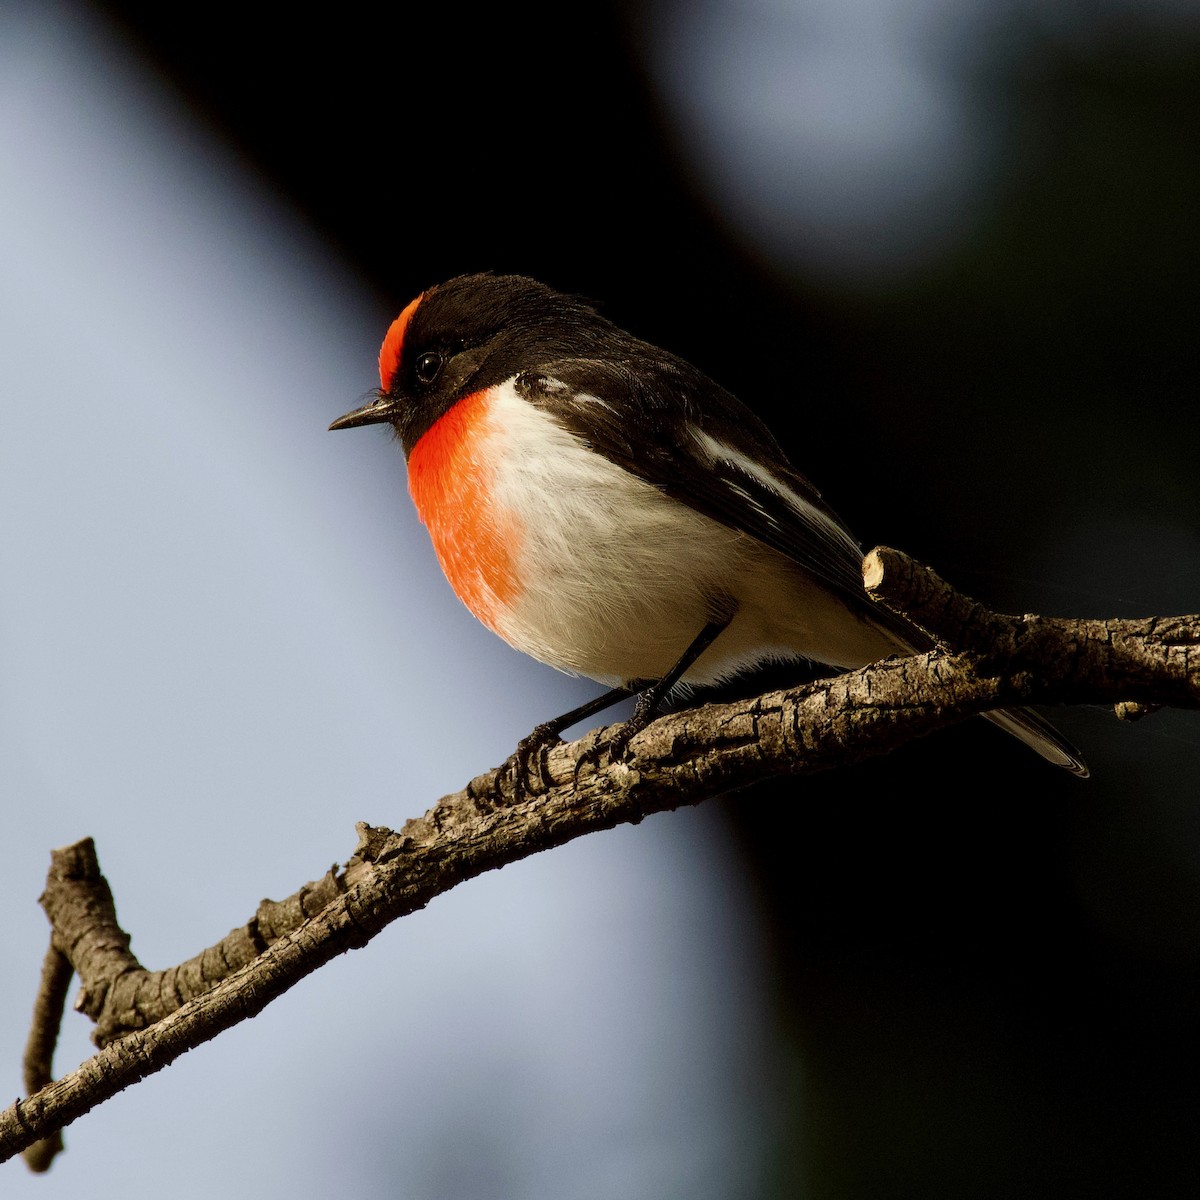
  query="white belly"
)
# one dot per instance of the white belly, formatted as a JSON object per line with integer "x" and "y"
{"x": 619, "y": 578}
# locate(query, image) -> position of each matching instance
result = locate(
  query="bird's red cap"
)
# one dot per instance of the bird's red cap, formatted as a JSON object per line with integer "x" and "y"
{"x": 393, "y": 345}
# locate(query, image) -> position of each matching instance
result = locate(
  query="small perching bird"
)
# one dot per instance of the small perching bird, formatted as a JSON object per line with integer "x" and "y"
{"x": 608, "y": 509}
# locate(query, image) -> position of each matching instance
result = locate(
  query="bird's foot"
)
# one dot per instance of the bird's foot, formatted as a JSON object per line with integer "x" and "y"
{"x": 613, "y": 742}
{"x": 530, "y": 757}
{"x": 617, "y": 743}
{"x": 644, "y": 711}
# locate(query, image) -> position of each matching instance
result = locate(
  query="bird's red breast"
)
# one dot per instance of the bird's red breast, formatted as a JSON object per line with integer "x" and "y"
{"x": 451, "y": 473}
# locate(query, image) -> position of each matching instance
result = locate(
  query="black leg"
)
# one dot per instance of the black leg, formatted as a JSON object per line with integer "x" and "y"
{"x": 553, "y": 728}
{"x": 546, "y": 734}
{"x": 649, "y": 701}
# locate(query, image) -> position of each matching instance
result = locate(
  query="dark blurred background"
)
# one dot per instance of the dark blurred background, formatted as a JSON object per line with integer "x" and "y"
{"x": 948, "y": 250}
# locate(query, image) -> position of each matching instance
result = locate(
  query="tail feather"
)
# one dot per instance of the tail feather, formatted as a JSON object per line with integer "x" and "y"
{"x": 1038, "y": 734}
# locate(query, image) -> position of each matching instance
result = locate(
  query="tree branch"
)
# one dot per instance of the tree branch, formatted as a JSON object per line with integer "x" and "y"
{"x": 146, "y": 1019}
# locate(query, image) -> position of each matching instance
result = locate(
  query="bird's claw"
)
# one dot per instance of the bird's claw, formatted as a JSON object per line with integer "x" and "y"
{"x": 618, "y": 741}
{"x": 612, "y": 743}
{"x": 531, "y": 751}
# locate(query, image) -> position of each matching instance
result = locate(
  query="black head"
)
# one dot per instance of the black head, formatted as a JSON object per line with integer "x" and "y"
{"x": 469, "y": 334}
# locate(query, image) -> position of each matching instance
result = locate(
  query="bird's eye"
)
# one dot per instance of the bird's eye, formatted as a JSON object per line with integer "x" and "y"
{"x": 428, "y": 367}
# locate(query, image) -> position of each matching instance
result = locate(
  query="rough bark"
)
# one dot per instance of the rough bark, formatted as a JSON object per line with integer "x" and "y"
{"x": 985, "y": 661}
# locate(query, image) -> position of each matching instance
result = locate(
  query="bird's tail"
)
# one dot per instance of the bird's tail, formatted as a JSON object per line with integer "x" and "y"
{"x": 1038, "y": 734}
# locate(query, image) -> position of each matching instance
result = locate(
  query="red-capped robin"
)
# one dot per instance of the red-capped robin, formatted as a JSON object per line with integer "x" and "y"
{"x": 607, "y": 508}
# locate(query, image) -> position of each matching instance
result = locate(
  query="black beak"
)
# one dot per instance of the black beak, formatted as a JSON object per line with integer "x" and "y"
{"x": 379, "y": 410}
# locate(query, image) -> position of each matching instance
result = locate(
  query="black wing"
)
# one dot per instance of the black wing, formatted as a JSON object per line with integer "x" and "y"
{"x": 662, "y": 420}
{"x": 665, "y": 422}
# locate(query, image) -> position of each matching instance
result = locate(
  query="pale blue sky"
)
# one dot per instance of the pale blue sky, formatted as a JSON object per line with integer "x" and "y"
{"x": 224, "y": 639}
